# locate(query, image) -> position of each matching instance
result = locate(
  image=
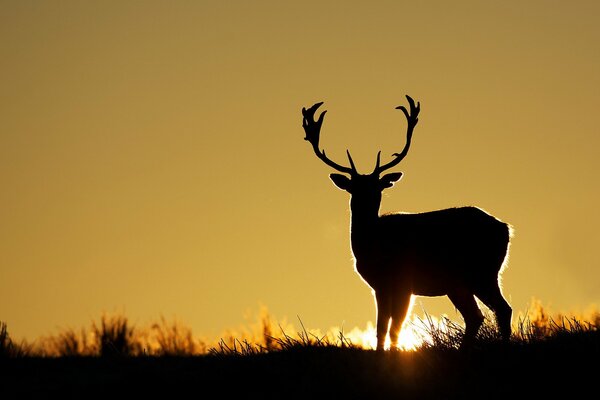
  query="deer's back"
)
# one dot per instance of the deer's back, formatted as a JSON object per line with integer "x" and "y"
{"x": 465, "y": 220}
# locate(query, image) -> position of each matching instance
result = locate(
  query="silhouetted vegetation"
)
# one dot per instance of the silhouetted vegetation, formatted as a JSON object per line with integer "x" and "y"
{"x": 547, "y": 355}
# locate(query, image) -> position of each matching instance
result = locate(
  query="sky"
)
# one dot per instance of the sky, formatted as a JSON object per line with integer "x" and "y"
{"x": 152, "y": 159}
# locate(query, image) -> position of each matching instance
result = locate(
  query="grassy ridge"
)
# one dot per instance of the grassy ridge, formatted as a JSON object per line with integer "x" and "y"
{"x": 568, "y": 366}
{"x": 546, "y": 357}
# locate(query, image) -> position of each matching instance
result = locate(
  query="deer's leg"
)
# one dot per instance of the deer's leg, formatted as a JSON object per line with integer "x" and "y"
{"x": 466, "y": 304}
{"x": 497, "y": 303}
{"x": 384, "y": 313}
{"x": 400, "y": 306}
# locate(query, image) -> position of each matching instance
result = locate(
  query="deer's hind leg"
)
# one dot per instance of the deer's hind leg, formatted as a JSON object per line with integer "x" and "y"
{"x": 467, "y": 306}
{"x": 492, "y": 297}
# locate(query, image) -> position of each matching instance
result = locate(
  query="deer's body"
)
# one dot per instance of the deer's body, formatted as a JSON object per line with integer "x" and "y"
{"x": 456, "y": 252}
{"x": 432, "y": 253}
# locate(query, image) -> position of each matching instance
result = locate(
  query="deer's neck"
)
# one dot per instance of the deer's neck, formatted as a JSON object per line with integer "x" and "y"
{"x": 363, "y": 229}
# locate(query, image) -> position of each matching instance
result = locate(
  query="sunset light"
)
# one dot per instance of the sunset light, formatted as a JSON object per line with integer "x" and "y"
{"x": 412, "y": 333}
{"x": 167, "y": 168}
{"x": 152, "y": 154}
{"x": 411, "y": 337}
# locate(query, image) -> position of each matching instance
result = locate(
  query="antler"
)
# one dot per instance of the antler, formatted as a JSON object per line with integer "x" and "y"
{"x": 412, "y": 119}
{"x": 312, "y": 129}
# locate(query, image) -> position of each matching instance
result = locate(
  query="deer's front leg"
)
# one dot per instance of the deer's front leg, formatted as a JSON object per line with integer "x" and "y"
{"x": 384, "y": 312}
{"x": 400, "y": 307}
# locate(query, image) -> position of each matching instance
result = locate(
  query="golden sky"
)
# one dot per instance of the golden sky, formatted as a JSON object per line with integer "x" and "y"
{"x": 152, "y": 156}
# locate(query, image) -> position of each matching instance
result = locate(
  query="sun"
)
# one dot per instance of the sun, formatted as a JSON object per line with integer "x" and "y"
{"x": 409, "y": 340}
{"x": 415, "y": 332}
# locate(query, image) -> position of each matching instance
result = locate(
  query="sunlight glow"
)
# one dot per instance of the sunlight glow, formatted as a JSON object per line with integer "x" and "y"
{"x": 412, "y": 335}
{"x": 417, "y": 330}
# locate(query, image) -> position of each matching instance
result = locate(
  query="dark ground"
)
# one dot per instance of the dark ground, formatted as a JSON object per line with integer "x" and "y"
{"x": 534, "y": 371}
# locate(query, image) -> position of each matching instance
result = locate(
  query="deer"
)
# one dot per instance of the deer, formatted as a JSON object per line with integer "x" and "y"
{"x": 456, "y": 252}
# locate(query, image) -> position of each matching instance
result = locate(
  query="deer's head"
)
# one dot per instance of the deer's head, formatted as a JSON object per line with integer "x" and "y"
{"x": 365, "y": 189}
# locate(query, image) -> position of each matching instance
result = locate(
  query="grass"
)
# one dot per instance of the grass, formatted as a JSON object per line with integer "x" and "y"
{"x": 547, "y": 356}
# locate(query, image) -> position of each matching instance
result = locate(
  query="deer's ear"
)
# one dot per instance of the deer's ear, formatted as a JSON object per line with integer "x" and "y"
{"x": 388, "y": 180}
{"x": 341, "y": 181}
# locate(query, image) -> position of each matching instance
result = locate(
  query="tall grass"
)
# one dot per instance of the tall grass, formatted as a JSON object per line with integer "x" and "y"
{"x": 536, "y": 326}
{"x": 10, "y": 349}
{"x": 6, "y": 345}
{"x": 280, "y": 342}
{"x": 68, "y": 343}
{"x": 114, "y": 336}
{"x": 172, "y": 339}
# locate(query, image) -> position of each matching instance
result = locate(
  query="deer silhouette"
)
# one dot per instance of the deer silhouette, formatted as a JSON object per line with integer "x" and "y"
{"x": 457, "y": 252}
